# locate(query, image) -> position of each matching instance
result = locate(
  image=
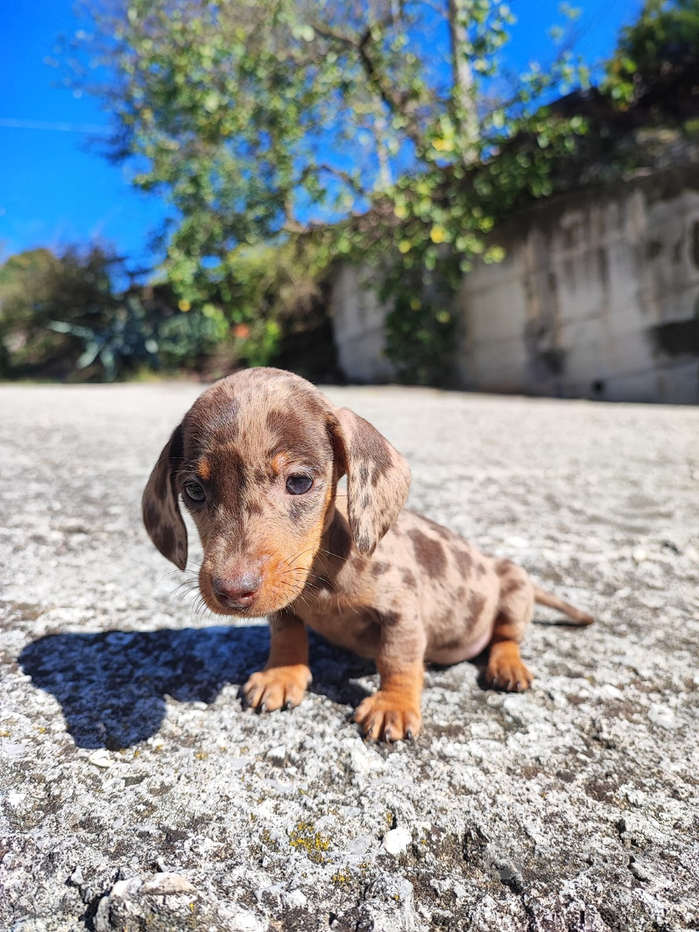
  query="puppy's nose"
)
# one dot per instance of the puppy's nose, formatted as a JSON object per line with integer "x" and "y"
{"x": 238, "y": 591}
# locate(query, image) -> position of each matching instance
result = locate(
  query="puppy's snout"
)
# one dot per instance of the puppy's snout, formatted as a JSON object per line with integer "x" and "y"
{"x": 238, "y": 591}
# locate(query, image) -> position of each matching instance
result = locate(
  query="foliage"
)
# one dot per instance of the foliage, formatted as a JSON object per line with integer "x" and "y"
{"x": 258, "y": 289}
{"x": 419, "y": 338}
{"x": 122, "y": 341}
{"x": 63, "y": 316}
{"x": 261, "y": 118}
{"x": 662, "y": 42}
{"x": 37, "y": 287}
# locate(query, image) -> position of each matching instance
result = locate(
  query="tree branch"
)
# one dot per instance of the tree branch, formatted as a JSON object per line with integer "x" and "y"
{"x": 395, "y": 101}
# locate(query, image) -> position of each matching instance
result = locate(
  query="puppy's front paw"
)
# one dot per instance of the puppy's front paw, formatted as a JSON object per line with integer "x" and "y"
{"x": 388, "y": 715}
{"x": 277, "y": 687}
{"x": 505, "y": 668}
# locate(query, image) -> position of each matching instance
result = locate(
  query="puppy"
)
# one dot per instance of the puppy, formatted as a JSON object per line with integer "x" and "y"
{"x": 256, "y": 461}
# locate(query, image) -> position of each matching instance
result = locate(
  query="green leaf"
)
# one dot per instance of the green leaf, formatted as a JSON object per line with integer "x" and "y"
{"x": 212, "y": 101}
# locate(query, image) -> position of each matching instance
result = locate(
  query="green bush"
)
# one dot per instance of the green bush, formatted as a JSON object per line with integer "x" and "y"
{"x": 64, "y": 317}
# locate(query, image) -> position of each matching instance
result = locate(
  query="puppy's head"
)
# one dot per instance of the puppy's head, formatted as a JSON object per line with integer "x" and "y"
{"x": 256, "y": 461}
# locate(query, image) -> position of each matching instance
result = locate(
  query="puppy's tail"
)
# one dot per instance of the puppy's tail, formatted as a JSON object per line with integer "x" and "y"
{"x": 548, "y": 598}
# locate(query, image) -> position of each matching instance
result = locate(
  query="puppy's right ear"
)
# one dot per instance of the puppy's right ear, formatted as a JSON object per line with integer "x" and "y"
{"x": 378, "y": 479}
{"x": 161, "y": 509}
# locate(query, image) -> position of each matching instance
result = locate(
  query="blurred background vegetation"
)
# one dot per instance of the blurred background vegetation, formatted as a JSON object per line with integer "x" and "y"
{"x": 287, "y": 136}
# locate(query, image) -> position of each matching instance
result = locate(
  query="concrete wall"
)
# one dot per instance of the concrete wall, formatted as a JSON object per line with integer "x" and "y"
{"x": 598, "y": 297}
{"x": 358, "y": 325}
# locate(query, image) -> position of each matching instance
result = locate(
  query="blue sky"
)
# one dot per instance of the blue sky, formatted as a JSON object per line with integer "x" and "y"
{"x": 56, "y": 189}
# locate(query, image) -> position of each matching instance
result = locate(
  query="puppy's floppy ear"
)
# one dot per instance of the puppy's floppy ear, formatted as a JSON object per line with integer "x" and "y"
{"x": 378, "y": 479}
{"x": 161, "y": 510}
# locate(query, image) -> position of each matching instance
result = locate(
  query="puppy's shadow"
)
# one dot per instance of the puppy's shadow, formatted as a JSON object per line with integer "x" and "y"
{"x": 112, "y": 685}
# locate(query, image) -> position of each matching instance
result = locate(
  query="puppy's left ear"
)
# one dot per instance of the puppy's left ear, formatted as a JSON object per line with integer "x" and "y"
{"x": 161, "y": 509}
{"x": 378, "y": 479}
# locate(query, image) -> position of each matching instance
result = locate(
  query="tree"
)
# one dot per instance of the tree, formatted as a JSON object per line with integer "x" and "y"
{"x": 657, "y": 56}
{"x": 260, "y": 119}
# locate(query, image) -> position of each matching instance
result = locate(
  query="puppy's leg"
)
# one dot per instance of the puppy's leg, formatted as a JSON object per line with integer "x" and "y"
{"x": 505, "y": 668}
{"x": 393, "y": 712}
{"x": 286, "y": 676}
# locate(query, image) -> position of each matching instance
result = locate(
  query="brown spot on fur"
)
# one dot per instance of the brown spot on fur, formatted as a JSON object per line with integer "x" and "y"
{"x": 463, "y": 560}
{"x": 339, "y": 541}
{"x": 378, "y": 568}
{"x": 283, "y": 423}
{"x": 438, "y": 529}
{"x": 390, "y": 619}
{"x": 512, "y": 586}
{"x": 451, "y": 644}
{"x": 291, "y": 433}
{"x": 480, "y": 569}
{"x": 296, "y": 508}
{"x": 409, "y": 579}
{"x": 476, "y": 603}
{"x": 504, "y": 566}
{"x": 232, "y": 467}
{"x": 358, "y": 563}
{"x": 429, "y": 553}
{"x": 214, "y": 415}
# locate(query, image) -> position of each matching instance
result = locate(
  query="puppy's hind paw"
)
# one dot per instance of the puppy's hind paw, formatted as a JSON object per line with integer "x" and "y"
{"x": 505, "y": 669}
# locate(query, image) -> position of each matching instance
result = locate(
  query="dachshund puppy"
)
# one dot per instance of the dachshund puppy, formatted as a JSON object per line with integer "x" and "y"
{"x": 256, "y": 461}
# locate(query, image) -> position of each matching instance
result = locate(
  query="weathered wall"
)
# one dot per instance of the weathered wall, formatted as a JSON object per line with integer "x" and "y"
{"x": 598, "y": 297}
{"x": 358, "y": 325}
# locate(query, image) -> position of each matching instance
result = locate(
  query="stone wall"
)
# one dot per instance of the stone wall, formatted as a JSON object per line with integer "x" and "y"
{"x": 598, "y": 297}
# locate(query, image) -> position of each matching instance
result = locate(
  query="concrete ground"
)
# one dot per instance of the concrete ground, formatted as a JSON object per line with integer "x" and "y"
{"x": 136, "y": 794}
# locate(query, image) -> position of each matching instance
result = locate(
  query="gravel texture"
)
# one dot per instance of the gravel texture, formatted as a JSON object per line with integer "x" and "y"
{"x": 137, "y": 795}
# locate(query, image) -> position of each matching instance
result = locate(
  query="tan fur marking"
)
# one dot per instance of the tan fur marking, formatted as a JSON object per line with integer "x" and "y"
{"x": 280, "y": 462}
{"x": 204, "y": 469}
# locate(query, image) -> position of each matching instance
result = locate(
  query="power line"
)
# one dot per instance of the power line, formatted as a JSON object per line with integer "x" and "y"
{"x": 93, "y": 129}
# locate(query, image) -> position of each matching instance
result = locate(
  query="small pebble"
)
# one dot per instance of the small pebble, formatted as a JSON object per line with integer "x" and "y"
{"x": 168, "y": 885}
{"x": 100, "y": 759}
{"x": 277, "y": 755}
{"x": 397, "y": 840}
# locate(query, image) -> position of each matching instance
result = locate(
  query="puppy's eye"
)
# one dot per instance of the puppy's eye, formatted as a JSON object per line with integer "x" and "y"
{"x": 194, "y": 492}
{"x": 298, "y": 484}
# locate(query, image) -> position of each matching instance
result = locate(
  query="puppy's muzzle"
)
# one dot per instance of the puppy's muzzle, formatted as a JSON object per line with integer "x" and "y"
{"x": 238, "y": 591}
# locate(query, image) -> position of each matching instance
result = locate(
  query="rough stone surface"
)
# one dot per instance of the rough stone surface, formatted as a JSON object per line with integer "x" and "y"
{"x": 137, "y": 795}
